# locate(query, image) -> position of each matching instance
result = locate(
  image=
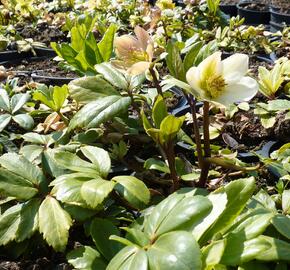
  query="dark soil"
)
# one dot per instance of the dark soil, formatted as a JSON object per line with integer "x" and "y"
{"x": 229, "y": 2}
{"x": 39, "y": 264}
{"x": 254, "y": 64}
{"x": 42, "y": 67}
{"x": 281, "y": 6}
{"x": 283, "y": 52}
{"x": 256, "y": 6}
{"x": 43, "y": 33}
{"x": 246, "y": 129}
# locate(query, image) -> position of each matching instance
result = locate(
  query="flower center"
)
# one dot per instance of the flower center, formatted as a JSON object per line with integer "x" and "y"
{"x": 214, "y": 86}
{"x": 139, "y": 55}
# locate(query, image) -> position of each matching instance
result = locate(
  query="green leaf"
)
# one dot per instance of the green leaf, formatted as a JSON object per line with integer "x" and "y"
{"x": 170, "y": 126}
{"x": 90, "y": 88}
{"x": 235, "y": 204}
{"x": 74, "y": 163}
{"x": 282, "y": 224}
{"x": 4, "y": 100}
{"x": 268, "y": 121}
{"x": 127, "y": 257}
{"x": 174, "y": 62}
{"x": 159, "y": 111}
{"x": 94, "y": 192}
{"x": 69, "y": 190}
{"x": 23, "y": 168}
{"x": 177, "y": 212}
{"x": 4, "y": 121}
{"x": 137, "y": 236}
{"x": 240, "y": 251}
{"x": 277, "y": 250}
{"x": 54, "y": 223}
{"x": 28, "y": 220}
{"x": 251, "y": 224}
{"x": 175, "y": 251}
{"x": 265, "y": 199}
{"x": 191, "y": 55}
{"x": 32, "y": 152}
{"x": 133, "y": 190}
{"x": 213, "y": 253}
{"x": 9, "y": 224}
{"x": 106, "y": 44}
{"x": 24, "y": 120}
{"x": 16, "y": 186}
{"x": 278, "y": 105}
{"x": 17, "y": 101}
{"x": 155, "y": 164}
{"x": 19, "y": 222}
{"x": 97, "y": 112}
{"x": 112, "y": 75}
{"x": 86, "y": 257}
{"x": 101, "y": 230}
{"x": 99, "y": 157}
{"x": 286, "y": 201}
{"x": 219, "y": 200}
{"x": 59, "y": 96}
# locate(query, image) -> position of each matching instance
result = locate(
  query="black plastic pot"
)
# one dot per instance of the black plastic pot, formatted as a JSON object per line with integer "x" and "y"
{"x": 265, "y": 152}
{"x": 45, "y": 52}
{"x": 185, "y": 109}
{"x": 230, "y": 10}
{"x": 182, "y": 100}
{"x": 253, "y": 17}
{"x": 274, "y": 27}
{"x": 13, "y": 55}
{"x": 51, "y": 80}
{"x": 278, "y": 17}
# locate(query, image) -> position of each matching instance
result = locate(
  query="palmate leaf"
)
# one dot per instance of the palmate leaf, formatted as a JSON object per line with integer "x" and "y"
{"x": 99, "y": 157}
{"x": 90, "y": 88}
{"x": 101, "y": 230}
{"x": 24, "y": 120}
{"x": 133, "y": 190}
{"x": 19, "y": 222}
{"x": 175, "y": 250}
{"x": 177, "y": 212}
{"x": 22, "y": 167}
{"x": 97, "y": 112}
{"x": 87, "y": 258}
{"x": 112, "y": 75}
{"x": 54, "y": 223}
{"x": 95, "y": 191}
{"x": 16, "y": 186}
{"x": 235, "y": 204}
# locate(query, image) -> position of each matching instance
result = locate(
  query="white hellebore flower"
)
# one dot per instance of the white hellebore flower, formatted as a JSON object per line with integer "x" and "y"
{"x": 222, "y": 81}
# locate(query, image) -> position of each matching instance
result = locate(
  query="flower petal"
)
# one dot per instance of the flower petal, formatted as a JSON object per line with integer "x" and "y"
{"x": 142, "y": 36}
{"x": 138, "y": 68}
{"x": 244, "y": 90}
{"x": 124, "y": 46}
{"x": 193, "y": 78}
{"x": 235, "y": 67}
{"x": 211, "y": 66}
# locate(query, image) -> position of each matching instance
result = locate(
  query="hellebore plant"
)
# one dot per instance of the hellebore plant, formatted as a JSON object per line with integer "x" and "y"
{"x": 135, "y": 54}
{"x": 221, "y": 82}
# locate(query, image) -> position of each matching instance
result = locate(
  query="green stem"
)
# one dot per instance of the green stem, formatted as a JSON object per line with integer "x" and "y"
{"x": 197, "y": 138}
{"x": 171, "y": 163}
{"x": 206, "y": 143}
{"x": 155, "y": 81}
{"x": 63, "y": 118}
